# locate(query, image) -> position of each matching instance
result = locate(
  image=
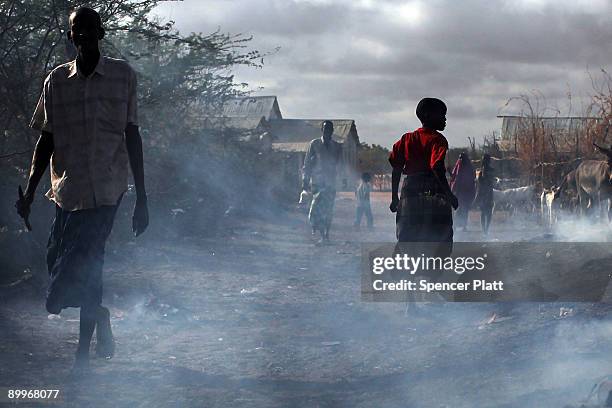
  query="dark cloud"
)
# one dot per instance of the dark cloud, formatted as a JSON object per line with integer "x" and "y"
{"x": 373, "y": 60}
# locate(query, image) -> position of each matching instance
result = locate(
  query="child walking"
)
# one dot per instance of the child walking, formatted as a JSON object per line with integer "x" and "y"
{"x": 362, "y": 194}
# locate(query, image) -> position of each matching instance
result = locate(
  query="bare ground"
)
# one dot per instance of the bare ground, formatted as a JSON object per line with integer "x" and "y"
{"x": 261, "y": 317}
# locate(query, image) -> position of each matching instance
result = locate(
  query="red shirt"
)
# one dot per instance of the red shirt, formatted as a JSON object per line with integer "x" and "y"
{"x": 418, "y": 151}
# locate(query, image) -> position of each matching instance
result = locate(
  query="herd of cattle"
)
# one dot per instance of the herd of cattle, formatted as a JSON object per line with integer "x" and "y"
{"x": 584, "y": 191}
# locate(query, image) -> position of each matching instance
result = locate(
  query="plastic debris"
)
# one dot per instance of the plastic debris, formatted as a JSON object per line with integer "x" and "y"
{"x": 248, "y": 291}
{"x": 176, "y": 211}
{"x": 566, "y": 312}
{"x": 492, "y": 319}
{"x": 27, "y": 275}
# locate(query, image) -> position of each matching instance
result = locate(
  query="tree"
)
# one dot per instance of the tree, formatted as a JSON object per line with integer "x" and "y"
{"x": 175, "y": 70}
{"x": 373, "y": 159}
{"x": 182, "y": 80}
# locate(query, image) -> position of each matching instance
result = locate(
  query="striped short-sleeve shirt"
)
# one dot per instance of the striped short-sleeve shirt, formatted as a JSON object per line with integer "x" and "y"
{"x": 88, "y": 117}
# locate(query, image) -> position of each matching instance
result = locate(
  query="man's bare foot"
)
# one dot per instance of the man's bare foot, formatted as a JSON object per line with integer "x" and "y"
{"x": 105, "y": 343}
{"x": 81, "y": 363}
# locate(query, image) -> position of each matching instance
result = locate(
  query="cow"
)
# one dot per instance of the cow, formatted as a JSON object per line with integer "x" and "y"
{"x": 568, "y": 193}
{"x": 594, "y": 183}
{"x": 513, "y": 198}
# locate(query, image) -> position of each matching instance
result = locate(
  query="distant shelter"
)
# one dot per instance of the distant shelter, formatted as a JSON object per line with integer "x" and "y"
{"x": 253, "y": 107}
{"x": 259, "y": 119}
{"x": 543, "y": 149}
{"x": 561, "y": 135}
{"x": 292, "y": 137}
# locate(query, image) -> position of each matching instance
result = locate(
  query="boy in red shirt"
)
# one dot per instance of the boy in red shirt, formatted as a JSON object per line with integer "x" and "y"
{"x": 424, "y": 208}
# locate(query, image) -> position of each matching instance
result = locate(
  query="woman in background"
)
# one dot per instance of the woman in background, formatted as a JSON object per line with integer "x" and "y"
{"x": 463, "y": 186}
{"x": 484, "y": 193}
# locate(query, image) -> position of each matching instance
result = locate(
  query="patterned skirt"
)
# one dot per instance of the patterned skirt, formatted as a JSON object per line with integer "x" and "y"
{"x": 322, "y": 206}
{"x": 75, "y": 256}
{"x": 424, "y": 216}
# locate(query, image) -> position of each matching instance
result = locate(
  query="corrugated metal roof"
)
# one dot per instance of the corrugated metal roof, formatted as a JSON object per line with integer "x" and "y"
{"x": 291, "y": 147}
{"x": 511, "y": 125}
{"x": 235, "y": 123}
{"x": 252, "y": 106}
{"x": 305, "y": 130}
{"x": 564, "y": 131}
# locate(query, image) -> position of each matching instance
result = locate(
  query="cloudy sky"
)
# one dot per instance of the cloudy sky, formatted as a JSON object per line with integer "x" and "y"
{"x": 372, "y": 60}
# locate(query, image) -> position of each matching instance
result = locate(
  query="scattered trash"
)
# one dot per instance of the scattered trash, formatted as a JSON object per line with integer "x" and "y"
{"x": 330, "y": 343}
{"x": 231, "y": 211}
{"x": 220, "y": 339}
{"x": 566, "y": 312}
{"x": 248, "y": 291}
{"x": 172, "y": 357}
{"x": 118, "y": 314}
{"x": 27, "y": 275}
{"x": 495, "y": 318}
{"x": 491, "y": 319}
{"x": 176, "y": 211}
{"x": 54, "y": 317}
{"x": 276, "y": 369}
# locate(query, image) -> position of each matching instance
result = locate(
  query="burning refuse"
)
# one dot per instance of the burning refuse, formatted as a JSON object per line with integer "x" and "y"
{"x": 230, "y": 265}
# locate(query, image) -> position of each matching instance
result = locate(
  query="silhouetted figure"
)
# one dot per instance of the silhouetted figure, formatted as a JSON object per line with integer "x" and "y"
{"x": 463, "y": 186}
{"x": 424, "y": 211}
{"x": 87, "y": 115}
{"x": 484, "y": 193}
{"x": 320, "y": 176}
{"x": 362, "y": 194}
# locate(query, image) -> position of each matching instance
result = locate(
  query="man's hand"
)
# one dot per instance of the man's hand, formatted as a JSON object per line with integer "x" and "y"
{"x": 23, "y": 205}
{"x": 140, "y": 219}
{"x": 394, "y": 204}
{"x": 454, "y": 202}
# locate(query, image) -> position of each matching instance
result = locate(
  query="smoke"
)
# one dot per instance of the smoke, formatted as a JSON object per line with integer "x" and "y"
{"x": 576, "y": 347}
{"x": 580, "y": 229}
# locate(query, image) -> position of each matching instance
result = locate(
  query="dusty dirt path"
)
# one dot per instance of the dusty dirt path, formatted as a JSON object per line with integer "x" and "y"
{"x": 261, "y": 317}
